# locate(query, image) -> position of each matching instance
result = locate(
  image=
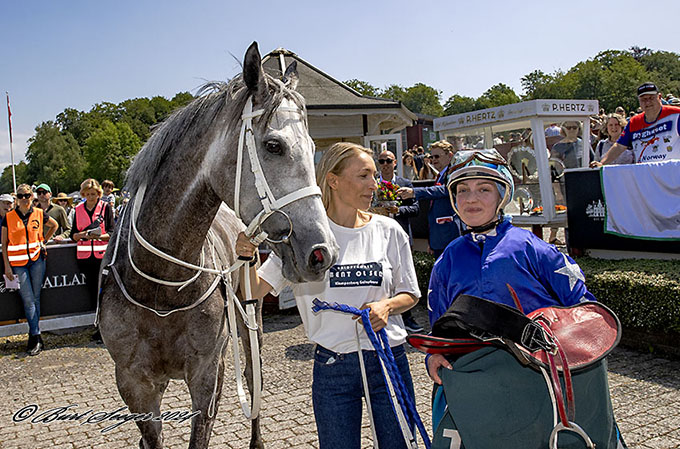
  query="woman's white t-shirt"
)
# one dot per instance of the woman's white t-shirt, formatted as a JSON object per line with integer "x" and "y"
{"x": 374, "y": 262}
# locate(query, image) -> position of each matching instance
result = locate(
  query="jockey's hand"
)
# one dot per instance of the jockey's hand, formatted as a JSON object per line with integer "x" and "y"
{"x": 380, "y": 311}
{"x": 244, "y": 247}
{"x": 405, "y": 193}
{"x": 435, "y": 362}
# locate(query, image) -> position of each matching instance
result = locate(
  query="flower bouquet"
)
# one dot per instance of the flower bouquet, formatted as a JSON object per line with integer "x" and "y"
{"x": 385, "y": 201}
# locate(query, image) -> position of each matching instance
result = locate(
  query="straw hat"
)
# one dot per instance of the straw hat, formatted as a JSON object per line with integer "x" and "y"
{"x": 63, "y": 196}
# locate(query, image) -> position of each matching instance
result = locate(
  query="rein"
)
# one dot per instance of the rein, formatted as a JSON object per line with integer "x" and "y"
{"x": 270, "y": 206}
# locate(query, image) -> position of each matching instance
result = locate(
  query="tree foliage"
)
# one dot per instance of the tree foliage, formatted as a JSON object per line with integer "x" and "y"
{"x": 99, "y": 143}
{"x": 363, "y": 87}
{"x": 54, "y": 158}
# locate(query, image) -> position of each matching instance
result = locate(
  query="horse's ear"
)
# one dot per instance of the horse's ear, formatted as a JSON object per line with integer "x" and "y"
{"x": 290, "y": 78}
{"x": 253, "y": 74}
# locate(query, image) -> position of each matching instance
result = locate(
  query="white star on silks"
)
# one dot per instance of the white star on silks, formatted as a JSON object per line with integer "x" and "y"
{"x": 572, "y": 271}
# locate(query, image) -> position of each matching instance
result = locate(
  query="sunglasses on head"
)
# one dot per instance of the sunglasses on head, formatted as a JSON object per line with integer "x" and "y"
{"x": 385, "y": 161}
{"x": 23, "y": 196}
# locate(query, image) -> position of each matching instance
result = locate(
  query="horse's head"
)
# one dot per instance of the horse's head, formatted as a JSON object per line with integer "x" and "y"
{"x": 280, "y": 146}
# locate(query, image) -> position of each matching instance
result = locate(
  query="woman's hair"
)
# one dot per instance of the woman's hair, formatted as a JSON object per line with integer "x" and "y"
{"x": 108, "y": 183}
{"x": 90, "y": 183}
{"x": 334, "y": 160}
{"x": 622, "y": 121}
{"x": 24, "y": 187}
{"x": 443, "y": 145}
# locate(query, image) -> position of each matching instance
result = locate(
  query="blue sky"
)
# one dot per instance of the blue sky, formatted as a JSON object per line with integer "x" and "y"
{"x": 59, "y": 54}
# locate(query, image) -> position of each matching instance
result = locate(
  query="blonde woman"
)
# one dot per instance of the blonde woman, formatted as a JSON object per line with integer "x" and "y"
{"x": 374, "y": 270}
{"x": 614, "y": 125}
{"x": 23, "y": 251}
{"x": 92, "y": 223}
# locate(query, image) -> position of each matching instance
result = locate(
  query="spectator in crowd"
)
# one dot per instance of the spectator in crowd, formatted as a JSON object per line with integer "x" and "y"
{"x": 614, "y": 127}
{"x": 443, "y": 223}
{"x": 620, "y": 111}
{"x": 553, "y": 130}
{"x": 659, "y": 143}
{"x": 23, "y": 252}
{"x": 570, "y": 148}
{"x": 410, "y": 170}
{"x": 427, "y": 171}
{"x": 409, "y": 208}
{"x": 55, "y": 211}
{"x": 64, "y": 201}
{"x": 345, "y": 175}
{"x": 108, "y": 196}
{"x": 595, "y": 131}
{"x": 92, "y": 224}
{"x": 6, "y": 204}
{"x": 418, "y": 158}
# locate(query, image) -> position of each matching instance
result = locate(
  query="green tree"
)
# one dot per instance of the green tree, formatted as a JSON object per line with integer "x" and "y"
{"x": 458, "y": 104}
{"x": 621, "y": 82}
{"x": 6, "y": 179}
{"x": 109, "y": 151}
{"x": 54, "y": 158}
{"x": 423, "y": 99}
{"x": 393, "y": 92}
{"x": 180, "y": 100}
{"x": 75, "y": 122}
{"x": 497, "y": 95}
{"x": 363, "y": 87}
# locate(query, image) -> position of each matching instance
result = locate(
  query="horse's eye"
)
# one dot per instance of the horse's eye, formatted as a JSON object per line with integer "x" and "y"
{"x": 274, "y": 146}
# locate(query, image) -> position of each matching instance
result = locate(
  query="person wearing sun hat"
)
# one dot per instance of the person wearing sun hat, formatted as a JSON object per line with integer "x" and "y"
{"x": 653, "y": 135}
{"x": 64, "y": 201}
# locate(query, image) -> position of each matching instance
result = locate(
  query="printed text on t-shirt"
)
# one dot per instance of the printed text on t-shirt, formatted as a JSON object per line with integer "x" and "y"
{"x": 356, "y": 275}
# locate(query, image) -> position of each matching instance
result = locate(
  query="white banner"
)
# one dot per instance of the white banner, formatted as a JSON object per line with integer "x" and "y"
{"x": 643, "y": 200}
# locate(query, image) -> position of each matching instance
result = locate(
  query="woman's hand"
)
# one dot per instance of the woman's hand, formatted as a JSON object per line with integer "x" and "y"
{"x": 595, "y": 164}
{"x": 435, "y": 362}
{"x": 244, "y": 247}
{"x": 378, "y": 314}
{"x": 9, "y": 274}
{"x": 405, "y": 193}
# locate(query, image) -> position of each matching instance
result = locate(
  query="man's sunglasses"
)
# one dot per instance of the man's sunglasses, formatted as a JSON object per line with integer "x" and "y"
{"x": 24, "y": 196}
{"x": 41, "y": 192}
{"x": 385, "y": 161}
{"x": 571, "y": 127}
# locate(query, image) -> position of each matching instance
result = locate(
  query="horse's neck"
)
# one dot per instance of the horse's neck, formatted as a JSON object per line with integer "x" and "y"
{"x": 175, "y": 219}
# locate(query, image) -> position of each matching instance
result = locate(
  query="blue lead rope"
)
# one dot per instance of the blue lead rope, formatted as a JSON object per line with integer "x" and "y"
{"x": 382, "y": 347}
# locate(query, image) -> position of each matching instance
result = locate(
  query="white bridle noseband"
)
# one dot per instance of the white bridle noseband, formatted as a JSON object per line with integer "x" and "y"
{"x": 270, "y": 206}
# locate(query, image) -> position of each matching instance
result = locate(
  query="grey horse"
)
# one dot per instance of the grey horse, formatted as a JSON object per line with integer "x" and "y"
{"x": 187, "y": 170}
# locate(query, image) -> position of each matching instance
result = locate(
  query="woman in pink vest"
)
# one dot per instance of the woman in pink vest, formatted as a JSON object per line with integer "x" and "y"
{"x": 92, "y": 223}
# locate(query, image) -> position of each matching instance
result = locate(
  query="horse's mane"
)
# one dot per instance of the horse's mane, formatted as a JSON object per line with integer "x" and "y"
{"x": 194, "y": 120}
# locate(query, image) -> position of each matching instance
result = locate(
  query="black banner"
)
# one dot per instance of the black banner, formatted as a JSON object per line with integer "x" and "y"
{"x": 64, "y": 290}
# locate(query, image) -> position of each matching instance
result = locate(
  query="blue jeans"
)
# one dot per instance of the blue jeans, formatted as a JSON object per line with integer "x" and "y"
{"x": 31, "y": 277}
{"x": 337, "y": 392}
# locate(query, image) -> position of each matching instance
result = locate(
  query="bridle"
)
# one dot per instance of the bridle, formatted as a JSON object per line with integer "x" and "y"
{"x": 270, "y": 206}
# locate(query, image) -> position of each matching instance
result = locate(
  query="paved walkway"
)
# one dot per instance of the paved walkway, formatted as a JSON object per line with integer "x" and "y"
{"x": 645, "y": 391}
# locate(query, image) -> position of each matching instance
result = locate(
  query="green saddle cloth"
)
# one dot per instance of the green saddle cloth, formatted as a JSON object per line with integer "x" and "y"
{"x": 495, "y": 402}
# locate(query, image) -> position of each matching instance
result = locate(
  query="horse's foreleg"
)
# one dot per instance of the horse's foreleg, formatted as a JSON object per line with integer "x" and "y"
{"x": 202, "y": 388}
{"x": 143, "y": 395}
{"x": 255, "y": 435}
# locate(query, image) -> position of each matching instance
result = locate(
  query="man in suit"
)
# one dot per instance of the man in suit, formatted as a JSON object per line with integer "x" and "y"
{"x": 409, "y": 208}
{"x": 444, "y": 224}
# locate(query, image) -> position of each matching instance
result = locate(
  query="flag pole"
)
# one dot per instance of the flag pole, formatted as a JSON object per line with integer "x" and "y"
{"x": 11, "y": 149}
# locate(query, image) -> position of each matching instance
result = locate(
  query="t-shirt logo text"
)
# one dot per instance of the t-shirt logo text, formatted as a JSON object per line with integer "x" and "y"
{"x": 356, "y": 275}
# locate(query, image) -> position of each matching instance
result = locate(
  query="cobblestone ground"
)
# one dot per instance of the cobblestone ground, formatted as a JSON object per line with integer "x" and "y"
{"x": 645, "y": 391}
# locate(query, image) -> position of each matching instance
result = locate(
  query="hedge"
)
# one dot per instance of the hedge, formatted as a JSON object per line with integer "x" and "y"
{"x": 644, "y": 294}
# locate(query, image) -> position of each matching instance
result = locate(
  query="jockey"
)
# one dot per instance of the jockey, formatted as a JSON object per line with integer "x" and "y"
{"x": 490, "y": 254}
